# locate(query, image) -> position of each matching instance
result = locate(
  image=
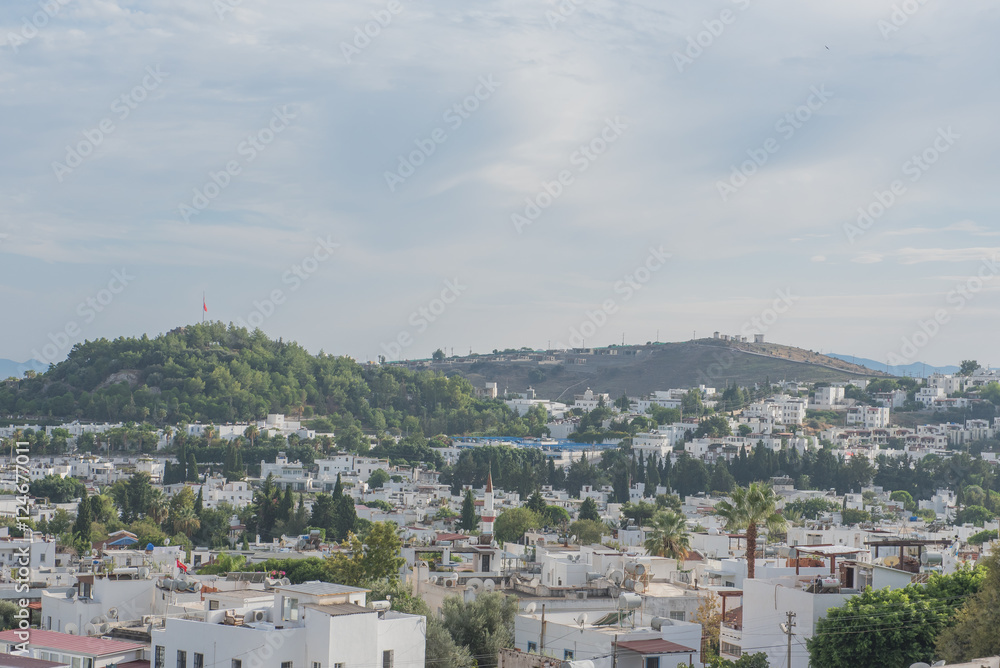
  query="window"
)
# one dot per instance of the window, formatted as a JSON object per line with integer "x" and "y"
{"x": 567, "y": 655}
{"x": 730, "y": 650}
{"x": 286, "y": 664}
{"x": 532, "y": 647}
{"x": 199, "y": 660}
{"x": 652, "y": 662}
{"x": 338, "y": 665}
{"x": 213, "y": 604}
{"x": 677, "y": 614}
{"x": 290, "y": 609}
{"x": 237, "y": 663}
{"x": 387, "y": 658}
{"x": 88, "y": 663}
{"x": 317, "y": 664}
{"x": 182, "y": 659}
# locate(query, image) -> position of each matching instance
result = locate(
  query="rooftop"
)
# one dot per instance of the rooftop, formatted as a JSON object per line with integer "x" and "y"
{"x": 341, "y": 609}
{"x": 15, "y": 661}
{"x": 654, "y": 646}
{"x": 321, "y": 589}
{"x": 71, "y": 643}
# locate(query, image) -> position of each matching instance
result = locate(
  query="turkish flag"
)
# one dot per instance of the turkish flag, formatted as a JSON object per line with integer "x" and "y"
{"x": 204, "y": 305}
{"x": 181, "y": 566}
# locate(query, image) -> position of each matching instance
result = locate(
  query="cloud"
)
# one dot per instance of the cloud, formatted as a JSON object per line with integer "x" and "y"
{"x": 867, "y": 258}
{"x": 922, "y": 255}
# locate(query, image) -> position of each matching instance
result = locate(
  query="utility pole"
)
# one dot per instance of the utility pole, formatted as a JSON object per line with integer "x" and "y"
{"x": 788, "y": 631}
{"x": 614, "y": 655}
{"x": 541, "y": 639}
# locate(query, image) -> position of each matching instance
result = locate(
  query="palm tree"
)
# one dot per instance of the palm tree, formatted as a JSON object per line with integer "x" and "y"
{"x": 251, "y": 432}
{"x": 157, "y": 510}
{"x": 669, "y": 537}
{"x": 751, "y": 507}
{"x": 186, "y": 522}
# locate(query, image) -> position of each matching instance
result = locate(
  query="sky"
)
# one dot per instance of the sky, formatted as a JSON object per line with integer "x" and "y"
{"x": 392, "y": 177}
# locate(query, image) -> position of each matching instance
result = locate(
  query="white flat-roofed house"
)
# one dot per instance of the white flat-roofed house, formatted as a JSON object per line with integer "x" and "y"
{"x": 869, "y": 417}
{"x": 828, "y": 398}
{"x": 307, "y": 625}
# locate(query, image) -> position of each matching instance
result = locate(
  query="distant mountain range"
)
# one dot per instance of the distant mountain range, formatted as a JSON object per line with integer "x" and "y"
{"x": 916, "y": 369}
{"x": 10, "y": 368}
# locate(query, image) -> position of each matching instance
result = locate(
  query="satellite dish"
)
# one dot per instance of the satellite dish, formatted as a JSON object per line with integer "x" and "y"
{"x": 475, "y": 584}
{"x": 489, "y": 585}
{"x": 530, "y": 609}
{"x": 572, "y": 539}
{"x": 920, "y": 664}
{"x": 71, "y": 594}
{"x": 90, "y": 629}
{"x": 582, "y": 620}
{"x": 95, "y": 621}
{"x": 113, "y": 613}
{"x": 104, "y": 628}
{"x": 72, "y": 629}
{"x": 166, "y": 541}
{"x": 938, "y": 664}
{"x": 617, "y": 577}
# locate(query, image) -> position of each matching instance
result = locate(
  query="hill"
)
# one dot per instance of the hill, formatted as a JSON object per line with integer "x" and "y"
{"x": 211, "y": 373}
{"x": 639, "y": 370}
{"x": 913, "y": 370}
{"x": 12, "y": 369}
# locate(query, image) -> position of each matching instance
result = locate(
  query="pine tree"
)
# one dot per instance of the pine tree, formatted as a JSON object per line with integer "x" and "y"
{"x": 469, "y": 521}
{"x": 81, "y": 528}
{"x": 192, "y": 468}
{"x": 588, "y": 510}
{"x": 199, "y": 502}
{"x": 286, "y": 505}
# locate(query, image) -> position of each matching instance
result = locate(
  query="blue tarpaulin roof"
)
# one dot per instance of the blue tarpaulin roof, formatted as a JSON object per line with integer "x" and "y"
{"x": 124, "y": 540}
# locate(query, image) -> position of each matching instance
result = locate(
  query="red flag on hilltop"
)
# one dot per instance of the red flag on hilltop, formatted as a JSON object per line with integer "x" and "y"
{"x": 204, "y": 305}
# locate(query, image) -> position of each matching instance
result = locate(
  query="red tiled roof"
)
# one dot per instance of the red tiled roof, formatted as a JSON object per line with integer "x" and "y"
{"x": 71, "y": 643}
{"x": 654, "y": 646}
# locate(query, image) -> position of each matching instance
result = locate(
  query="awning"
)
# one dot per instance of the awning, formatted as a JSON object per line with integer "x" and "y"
{"x": 654, "y": 646}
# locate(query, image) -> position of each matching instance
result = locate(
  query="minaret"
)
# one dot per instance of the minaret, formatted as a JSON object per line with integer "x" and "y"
{"x": 488, "y": 516}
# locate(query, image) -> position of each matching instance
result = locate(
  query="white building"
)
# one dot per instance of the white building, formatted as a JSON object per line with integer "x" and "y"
{"x": 307, "y": 625}
{"x": 828, "y": 398}
{"x": 869, "y": 417}
{"x": 590, "y": 400}
{"x": 783, "y": 408}
{"x": 580, "y": 638}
